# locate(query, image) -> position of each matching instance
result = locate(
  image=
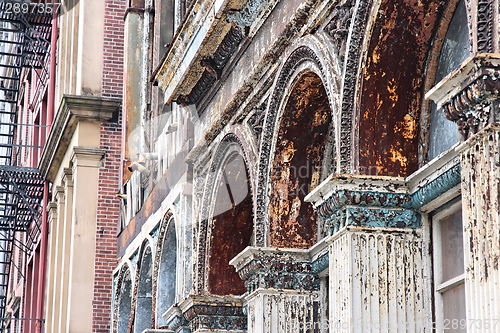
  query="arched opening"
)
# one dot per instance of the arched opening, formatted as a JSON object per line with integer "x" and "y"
{"x": 167, "y": 274}
{"x": 392, "y": 86}
{"x": 143, "y": 312}
{"x": 124, "y": 303}
{"x": 232, "y": 226}
{"x": 298, "y": 163}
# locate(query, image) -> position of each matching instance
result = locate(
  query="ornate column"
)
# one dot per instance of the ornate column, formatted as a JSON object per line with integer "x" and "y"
{"x": 378, "y": 272}
{"x": 470, "y": 97}
{"x": 283, "y": 288}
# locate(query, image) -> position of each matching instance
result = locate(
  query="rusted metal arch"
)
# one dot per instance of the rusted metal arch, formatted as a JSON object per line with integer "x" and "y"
{"x": 229, "y": 145}
{"x": 302, "y": 58}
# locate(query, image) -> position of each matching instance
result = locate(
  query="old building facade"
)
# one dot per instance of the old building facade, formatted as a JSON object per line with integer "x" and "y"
{"x": 309, "y": 166}
{"x": 61, "y": 80}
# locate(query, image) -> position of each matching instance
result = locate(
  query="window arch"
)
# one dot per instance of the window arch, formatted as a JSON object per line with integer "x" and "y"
{"x": 298, "y": 163}
{"x": 143, "y": 312}
{"x": 124, "y": 304}
{"x": 231, "y": 223}
{"x": 166, "y": 287}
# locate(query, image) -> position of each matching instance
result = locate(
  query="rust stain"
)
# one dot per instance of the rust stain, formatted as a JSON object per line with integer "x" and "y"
{"x": 297, "y": 162}
{"x": 393, "y": 83}
{"x": 231, "y": 229}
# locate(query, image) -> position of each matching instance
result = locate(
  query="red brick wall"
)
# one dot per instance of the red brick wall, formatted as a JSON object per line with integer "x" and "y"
{"x": 110, "y": 138}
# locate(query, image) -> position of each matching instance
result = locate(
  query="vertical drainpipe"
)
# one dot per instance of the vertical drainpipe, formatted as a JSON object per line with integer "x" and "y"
{"x": 45, "y": 200}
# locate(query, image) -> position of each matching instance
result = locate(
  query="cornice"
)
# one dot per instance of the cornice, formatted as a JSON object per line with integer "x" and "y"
{"x": 72, "y": 110}
{"x": 466, "y": 96}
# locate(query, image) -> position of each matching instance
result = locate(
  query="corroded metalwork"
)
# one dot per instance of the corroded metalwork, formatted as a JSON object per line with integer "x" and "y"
{"x": 214, "y": 66}
{"x": 229, "y": 146}
{"x": 391, "y": 88}
{"x": 298, "y": 163}
{"x": 297, "y": 58}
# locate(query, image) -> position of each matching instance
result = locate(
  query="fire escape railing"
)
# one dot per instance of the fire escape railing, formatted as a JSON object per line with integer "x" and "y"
{"x": 24, "y": 44}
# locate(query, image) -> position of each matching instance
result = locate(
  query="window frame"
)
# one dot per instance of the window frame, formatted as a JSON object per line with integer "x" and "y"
{"x": 439, "y": 285}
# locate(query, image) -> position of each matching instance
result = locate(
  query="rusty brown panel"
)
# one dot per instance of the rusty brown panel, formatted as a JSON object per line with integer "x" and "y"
{"x": 138, "y": 4}
{"x": 392, "y": 86}
{"x": 232, "y": 228}
{"x": 302, "y": 136}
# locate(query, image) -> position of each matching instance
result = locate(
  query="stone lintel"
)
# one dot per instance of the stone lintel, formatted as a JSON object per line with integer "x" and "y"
{"x": 72, "y": 110}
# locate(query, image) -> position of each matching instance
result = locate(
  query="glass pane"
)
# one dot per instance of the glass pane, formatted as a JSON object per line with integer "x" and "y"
{"x": 452, "y": 246}
{"x": 456, "y": 48}
{"x": 454, "y": 310}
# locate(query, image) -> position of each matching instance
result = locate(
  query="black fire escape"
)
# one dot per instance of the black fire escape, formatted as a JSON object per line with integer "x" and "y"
{"x": 24, "y": 43}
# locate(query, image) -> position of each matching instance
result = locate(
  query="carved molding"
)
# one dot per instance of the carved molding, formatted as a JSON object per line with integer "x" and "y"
{"x": 72, "y": 110}
{"x": 485, "y": 23}
{"x": 470, "y": 95}
{"x": 378, "y": 207}
{"x": 350, "y": 76}
{"x": 274, "y": 268}
{"x": 471, "y": 108}
{"x": 339, "y": 25}
{"x": 214, "y": 313}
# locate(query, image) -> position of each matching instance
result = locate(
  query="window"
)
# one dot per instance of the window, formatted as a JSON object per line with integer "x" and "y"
{"x": 456, "y": 48}
{"x": 449, "y": 272}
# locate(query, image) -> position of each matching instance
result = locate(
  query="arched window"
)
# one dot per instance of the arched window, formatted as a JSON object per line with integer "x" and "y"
{"x": 124, "y": 303}
{"x": 298, "y": 163}
{"x": 456, "y": 48}
{"x": 232, "y": 226}
{"x": 167, "y": 274}
{"x": 143, "y": 313}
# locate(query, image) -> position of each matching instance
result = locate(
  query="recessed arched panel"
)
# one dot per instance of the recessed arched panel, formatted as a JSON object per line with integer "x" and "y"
{"x": 297, "y": 164}
{"x": 167, "y": 274}
{"x": 232, "y": 226}
{"x": 143, "y": 312}
{"x": 392, "y": 86}
{"x": 124, "y": 303}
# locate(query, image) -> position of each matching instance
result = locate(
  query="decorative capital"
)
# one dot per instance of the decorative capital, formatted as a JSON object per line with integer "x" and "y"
{"x": 207, "y": 313}
{"x": 86, "y": 157}
{"x": 276, "y": 268}
{"x": 470, "y": 95}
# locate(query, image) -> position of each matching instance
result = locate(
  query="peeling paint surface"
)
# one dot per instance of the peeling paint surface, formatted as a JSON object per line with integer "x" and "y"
{"x": 392, "y": 85}
{"x": 232, "y": 229}
{"x": 297, "y": 163}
